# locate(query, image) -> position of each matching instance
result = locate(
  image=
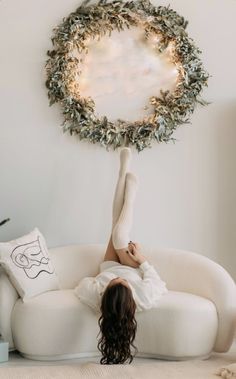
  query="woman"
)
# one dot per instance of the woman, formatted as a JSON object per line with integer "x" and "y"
{"x": 126, "y": 283}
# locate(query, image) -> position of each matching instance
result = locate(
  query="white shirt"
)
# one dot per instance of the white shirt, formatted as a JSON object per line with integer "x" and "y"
{"x": 145, "y": 283}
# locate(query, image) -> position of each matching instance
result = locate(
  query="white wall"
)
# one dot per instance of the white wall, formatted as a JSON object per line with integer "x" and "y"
{"x": 65, "y": 187}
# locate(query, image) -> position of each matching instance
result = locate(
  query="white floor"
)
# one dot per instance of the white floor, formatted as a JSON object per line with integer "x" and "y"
{"x": 16, "y": 360}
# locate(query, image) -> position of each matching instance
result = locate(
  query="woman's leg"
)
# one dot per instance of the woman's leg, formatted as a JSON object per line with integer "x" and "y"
{"x": 121, "y": 231}
{"x": 118, "y": 256}
{"x": 118, "y": 201}
{"x": 111, "y": 254}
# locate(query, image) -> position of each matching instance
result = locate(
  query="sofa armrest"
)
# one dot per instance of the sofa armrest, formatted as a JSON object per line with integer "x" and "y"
{"x": 8, "y": 298}
{"x": 190, "y": 272}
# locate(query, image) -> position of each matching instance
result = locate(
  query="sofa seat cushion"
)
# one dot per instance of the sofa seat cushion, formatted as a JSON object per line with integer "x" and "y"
{"x": 56, "y": 323}
{"x": 183, "y": 326}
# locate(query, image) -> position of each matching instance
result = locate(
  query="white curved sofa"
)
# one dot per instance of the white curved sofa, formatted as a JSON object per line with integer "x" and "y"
{"x": 197, "y": 315}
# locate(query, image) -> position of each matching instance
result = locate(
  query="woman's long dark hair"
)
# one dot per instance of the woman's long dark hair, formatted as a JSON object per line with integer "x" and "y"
{"x": 117, "y": 325}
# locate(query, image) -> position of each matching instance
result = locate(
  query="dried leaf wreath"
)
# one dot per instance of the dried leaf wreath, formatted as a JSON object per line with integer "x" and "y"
{"x": 170, "y": 109}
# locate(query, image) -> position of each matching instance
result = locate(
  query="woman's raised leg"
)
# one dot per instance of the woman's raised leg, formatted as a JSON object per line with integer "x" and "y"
{"x": 121, "y": 231}
{"x": 118, "y": 200}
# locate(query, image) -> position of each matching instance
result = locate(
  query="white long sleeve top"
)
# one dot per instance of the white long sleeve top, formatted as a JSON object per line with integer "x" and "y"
{"x": 145, "y": 283}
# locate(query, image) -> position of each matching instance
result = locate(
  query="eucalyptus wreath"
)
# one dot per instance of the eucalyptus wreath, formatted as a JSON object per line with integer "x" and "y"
{"x": 169, "y": 109}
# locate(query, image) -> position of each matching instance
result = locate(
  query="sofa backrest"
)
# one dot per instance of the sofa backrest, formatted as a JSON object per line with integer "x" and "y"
{"x": 181, "y": 270}
{"x": 74, "y": 262}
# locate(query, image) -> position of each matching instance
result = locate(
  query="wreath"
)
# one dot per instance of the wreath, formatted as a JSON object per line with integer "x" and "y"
{"x": 169, "y": 109}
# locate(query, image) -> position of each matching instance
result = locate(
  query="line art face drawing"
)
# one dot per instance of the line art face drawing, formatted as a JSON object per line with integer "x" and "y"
{"x": 31, "y": 258}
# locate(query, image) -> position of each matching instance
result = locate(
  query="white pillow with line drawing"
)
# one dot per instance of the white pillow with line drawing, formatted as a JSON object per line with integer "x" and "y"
{"x": 28, "y": 265}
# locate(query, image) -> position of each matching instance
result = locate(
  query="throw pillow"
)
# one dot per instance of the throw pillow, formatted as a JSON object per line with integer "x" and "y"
{"x": 28, "y": 265}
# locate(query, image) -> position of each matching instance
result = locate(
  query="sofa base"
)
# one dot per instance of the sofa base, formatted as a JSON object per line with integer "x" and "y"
{"x": 59, "y": 357}
{"x": 170, "y": 358}
{"x": 95, "y": 354}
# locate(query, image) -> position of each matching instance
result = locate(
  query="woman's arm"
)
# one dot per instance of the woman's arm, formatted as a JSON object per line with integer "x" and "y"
{"x": 150, "y": 275}
{"x": 135, "y": 254}
{"x": 151, "y": 288}
{"x": 89, "y": 292}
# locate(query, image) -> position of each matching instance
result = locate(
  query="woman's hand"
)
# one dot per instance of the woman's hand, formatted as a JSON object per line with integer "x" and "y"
{"x": 134, "y": 253}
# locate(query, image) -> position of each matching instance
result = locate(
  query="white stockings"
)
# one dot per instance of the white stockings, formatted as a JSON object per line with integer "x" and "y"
{"x": 123, "y": 203}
